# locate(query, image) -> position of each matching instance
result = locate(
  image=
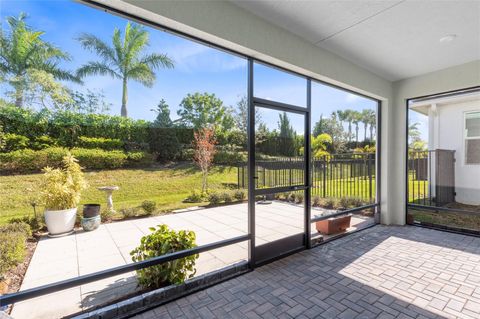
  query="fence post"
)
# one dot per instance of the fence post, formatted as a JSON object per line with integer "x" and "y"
{"x": 324, "y": 177}
{"x": 370, "y": 186}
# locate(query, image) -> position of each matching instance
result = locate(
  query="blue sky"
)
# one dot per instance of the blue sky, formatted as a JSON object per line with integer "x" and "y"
{"x": 198, "y": 68}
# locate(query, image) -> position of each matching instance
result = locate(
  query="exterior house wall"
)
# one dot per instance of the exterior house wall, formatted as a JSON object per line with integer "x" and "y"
{"x": 454, "y": 78}
{"x": 450, "y": 136}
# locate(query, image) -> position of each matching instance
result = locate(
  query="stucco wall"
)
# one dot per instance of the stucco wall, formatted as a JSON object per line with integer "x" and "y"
{"x": 454, "y": 78}
{"x": 451, "y": 137}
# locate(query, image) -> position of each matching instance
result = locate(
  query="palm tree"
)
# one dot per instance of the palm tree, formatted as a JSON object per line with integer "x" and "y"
{"x": 372, "y": 121}
{"x": 356, "y": 118}
{"x": 364, "y": 119}
{"x": 23, "y": 51}
{"x": 349, "y": 116}
{"x": 125, "y": 59}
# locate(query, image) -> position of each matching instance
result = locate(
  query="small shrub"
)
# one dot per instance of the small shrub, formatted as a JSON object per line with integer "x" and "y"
{"x": 356, "y": 202}
{"x": 299, "y": 198}
{"x": 163, "y": 241}
{"x": 129, "y": 212}
{"x": 194, "y": 197}
{"x": 139, "y": 158}
{"x": 344, "y": 202}
{"x": 149, "y": 206}
{"x": 316, "y": 201}
{"x": 229, "y": 157}
{"x": 13, "y": 238}
{"x": 331, "y": 203}
{"x": 107, "y": 144}
{"x": 239, "y": 194}
{"x": 227, "y": 197}
{"x": 215, "y": 198}
{"x": 14, "y": 142}
{"x": 100, "y": 159}
{"x": 42, "y": 142}
{"x": 17, "y": 227}
{"x": 106, "y": 215}
{"x": 291, "y": 197}
{"x": 36, "y": 223}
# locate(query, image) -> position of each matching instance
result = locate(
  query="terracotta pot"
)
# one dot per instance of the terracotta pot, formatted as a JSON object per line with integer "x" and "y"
{"x": 333, "y": 225}
{"x": 4, "y": 286}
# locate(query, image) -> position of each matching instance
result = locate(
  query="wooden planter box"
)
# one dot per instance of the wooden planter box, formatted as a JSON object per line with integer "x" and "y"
{"x": 333, "y": 225}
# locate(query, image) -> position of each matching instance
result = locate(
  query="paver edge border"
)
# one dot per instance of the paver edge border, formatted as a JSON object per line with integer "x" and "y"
{"x": 158, "y": 297}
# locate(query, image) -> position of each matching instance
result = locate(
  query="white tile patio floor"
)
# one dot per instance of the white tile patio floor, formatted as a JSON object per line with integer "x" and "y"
{"x": 109, "y": 246}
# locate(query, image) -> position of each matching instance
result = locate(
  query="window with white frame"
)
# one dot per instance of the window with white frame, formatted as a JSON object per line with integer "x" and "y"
{"x": 472, "y": 137}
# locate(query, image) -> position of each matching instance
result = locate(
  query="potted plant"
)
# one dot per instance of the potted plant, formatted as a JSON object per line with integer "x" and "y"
{"x": 91, "y": 217}
{"x": 61, "y": 191}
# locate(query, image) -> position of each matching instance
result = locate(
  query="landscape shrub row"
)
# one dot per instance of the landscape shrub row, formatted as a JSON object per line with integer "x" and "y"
{"x": 13, "y": 240}
{"x": 27, "y": 160}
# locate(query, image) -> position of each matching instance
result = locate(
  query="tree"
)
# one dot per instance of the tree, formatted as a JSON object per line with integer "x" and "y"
{"x": 356, "y": 118}
{"x": 23, "y": 53}
{"x": 320, "y": 145}
{"x": 163, "y": 115}
{"x": 241, "y": 115}
{"x": 372, "y": 121}
{"x": 287, "y": 136}
{"x": 204, "y": 151}
{"x": 349, "y": 117}
{"x": 90, "y": 102}
{"x": 332, "y": 127}
{"x": 125, "y": 59}
{"x": 205, "y": 110}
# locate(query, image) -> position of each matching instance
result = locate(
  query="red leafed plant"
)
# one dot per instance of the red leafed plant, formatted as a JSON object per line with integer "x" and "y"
{"x": 204, "y": 151}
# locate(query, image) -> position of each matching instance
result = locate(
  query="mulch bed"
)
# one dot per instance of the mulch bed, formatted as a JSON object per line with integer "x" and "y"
{"x": 14, "y": 277}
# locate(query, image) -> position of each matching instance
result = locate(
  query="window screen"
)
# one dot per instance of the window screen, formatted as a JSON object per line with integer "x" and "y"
{"x": 472, "y": 138}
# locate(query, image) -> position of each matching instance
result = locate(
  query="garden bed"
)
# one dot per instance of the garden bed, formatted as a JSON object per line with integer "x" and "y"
{"x": 14, "y": 277}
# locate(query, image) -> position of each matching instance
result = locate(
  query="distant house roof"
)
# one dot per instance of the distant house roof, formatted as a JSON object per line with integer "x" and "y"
{"x": 422, "y": 105}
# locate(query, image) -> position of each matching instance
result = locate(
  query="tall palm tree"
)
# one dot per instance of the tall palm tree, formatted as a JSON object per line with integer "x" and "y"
{"x": 372, "y": 121}
{"x": 364, "y": 119}
{"x": 356, "y": 118}
{"x": 349, "y": 116}
{"x": 23, "y": 51}
{"x": 125, "y": 59}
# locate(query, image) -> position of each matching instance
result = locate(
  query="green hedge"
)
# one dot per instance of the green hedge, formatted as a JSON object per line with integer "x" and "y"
{"x": 107, "y": 144}
{"x": 24, "y": 161}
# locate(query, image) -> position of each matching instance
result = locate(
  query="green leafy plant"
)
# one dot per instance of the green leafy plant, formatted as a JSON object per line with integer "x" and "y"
{"x": 62, "y": 187}
{"x": 227, "y": 197}
{"x": 41, "y": 142}
{"x": 215, "y": 198}
{"x": 239, "y": 194}
{"x": 299, "y": 198}
{"x": 13, "y": 238}
{"x": 316, "y": 201}
{"x": 14, "y": 142}
{"x": 129, "y": 212}
{"x": 194, "y": 197}
{"x": 161, "y": 241}
{"x": 332, "y": 203}
{"x": 149, "y": 206}
{"x": 36, "y": 223}
{"x": 107, "y": 144}
{"x": 106, "y": 215}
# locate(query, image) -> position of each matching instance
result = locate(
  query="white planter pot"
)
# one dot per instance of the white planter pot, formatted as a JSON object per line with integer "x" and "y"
{"x": 60, "y": 221}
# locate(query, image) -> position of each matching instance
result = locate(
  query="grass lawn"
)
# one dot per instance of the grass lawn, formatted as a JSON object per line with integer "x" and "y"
{"x": 457, "y": 220}
{"x": 167, "y": 186}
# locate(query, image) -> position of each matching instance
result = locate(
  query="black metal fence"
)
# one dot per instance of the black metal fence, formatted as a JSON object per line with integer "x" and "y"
{"x": 336, "y": 175}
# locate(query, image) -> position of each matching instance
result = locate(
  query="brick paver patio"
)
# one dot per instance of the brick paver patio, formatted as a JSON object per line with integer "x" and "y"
{"x": 381, "y": 272}
{"x": 67, "y": 257}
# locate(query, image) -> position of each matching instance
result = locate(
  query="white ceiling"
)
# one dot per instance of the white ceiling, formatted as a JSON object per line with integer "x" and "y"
{"x": 394, "y": 39}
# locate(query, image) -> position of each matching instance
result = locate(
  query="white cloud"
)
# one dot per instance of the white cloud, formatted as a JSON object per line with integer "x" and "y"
{"x": 351, "y": 98}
